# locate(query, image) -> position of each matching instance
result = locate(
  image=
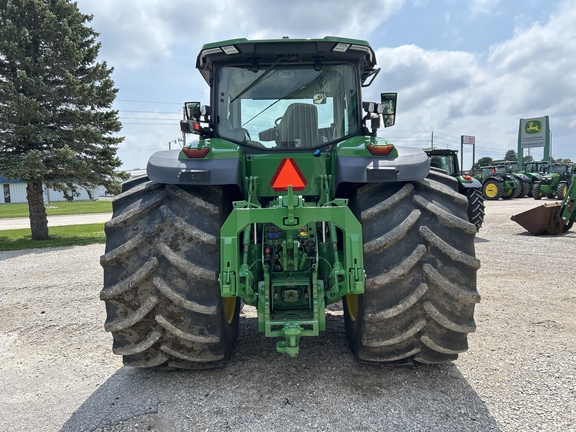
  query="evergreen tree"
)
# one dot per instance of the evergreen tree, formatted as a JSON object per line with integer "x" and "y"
{"x": 56, "y": 119}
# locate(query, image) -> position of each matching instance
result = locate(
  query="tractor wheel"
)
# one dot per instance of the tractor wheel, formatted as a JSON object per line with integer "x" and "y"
{"x": 440, "y": 175}
{"x": 525, "y": 189}
{"x": 476, "y": 207}
{"x": 536, "y": 193}
{"x": 562, "y": 191}
{"x": 492, "y": 190}
{"x": 161, "y": 289}
{"x": 516, "y": 190}
{"x": 420, "y": 265}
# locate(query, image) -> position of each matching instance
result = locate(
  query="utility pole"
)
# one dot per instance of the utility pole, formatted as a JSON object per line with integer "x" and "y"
{"x": 432, "y": 140}
{"x": 183, "y": 134}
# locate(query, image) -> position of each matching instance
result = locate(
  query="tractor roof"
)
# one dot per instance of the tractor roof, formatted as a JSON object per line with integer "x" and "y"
{"x": 254, "y": 52}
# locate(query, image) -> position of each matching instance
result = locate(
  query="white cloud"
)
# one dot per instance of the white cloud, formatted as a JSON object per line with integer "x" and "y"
{"x": 532, "y": 74}
{"x": 483, "y": 6}
{"x": 137, "y": 32}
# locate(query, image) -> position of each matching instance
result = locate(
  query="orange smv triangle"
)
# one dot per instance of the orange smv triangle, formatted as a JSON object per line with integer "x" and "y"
{"x": 288, "y": 174}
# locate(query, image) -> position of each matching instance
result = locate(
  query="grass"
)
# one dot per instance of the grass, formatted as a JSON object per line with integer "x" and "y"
{"x": 71, "y": 235}
{"x": 57, "y": 208}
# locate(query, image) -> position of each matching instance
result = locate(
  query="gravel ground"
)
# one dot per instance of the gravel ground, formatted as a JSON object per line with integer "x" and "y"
{"x": 58, "y": 371}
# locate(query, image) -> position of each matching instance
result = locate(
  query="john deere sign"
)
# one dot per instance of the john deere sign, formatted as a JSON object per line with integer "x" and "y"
{"x": 534, "y": 132}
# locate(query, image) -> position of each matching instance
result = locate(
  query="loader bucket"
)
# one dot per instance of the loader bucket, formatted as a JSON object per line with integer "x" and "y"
{"x": 543, "y": 219}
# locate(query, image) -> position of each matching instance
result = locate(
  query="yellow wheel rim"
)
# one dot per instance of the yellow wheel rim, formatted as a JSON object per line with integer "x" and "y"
{"x": 229, "y": 308}
{"x": 491, "y": 190}
{"x": 352, "y": 306}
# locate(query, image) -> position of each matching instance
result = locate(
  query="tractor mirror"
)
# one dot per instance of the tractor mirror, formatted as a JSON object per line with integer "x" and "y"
{"x": 192, "y": 110}
{"x": 388, "y": 101}
{"x": 267, "y": 135}
{"x": 319, "y": 99}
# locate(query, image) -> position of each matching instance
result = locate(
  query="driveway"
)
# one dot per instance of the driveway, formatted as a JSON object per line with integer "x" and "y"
{"x": 78, "y": 219}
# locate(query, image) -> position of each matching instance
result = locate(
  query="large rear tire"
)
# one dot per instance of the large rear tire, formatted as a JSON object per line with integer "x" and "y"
{"x": 420, "y": 274}
{"x": 475, "y": 197}
{"x": 161, "y": 266}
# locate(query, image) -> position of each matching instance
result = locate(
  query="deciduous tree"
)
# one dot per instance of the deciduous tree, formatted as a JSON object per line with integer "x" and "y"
{"x": 485, "y": 161}
{"x": 511, "y": 155}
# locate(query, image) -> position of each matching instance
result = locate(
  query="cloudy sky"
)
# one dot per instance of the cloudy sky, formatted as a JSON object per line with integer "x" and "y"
{"x": 460, "y": 67}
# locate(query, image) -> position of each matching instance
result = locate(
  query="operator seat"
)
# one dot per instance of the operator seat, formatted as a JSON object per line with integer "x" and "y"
{"x": 298, "y": 127}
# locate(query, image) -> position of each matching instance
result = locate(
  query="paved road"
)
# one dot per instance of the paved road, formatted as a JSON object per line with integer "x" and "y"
{"x": 82, "y": 219}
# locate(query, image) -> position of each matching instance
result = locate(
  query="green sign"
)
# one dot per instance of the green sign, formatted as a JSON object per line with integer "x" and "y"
{"x": 533, "y": 132}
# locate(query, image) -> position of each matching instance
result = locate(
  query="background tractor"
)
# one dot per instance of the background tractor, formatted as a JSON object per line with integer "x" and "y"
{"x": 445, "y": 162}
{"x": 513, "y": 171}
{"x": 534, "y": 171}
{"x": 553, "y": 184}
{"x": 497, "y": 183}
{"x": 288, "y": 201}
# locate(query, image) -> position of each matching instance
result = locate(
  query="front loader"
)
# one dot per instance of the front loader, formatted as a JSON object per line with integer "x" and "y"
{"x": 288, "y": 201}
{"x": 551, "y": 218}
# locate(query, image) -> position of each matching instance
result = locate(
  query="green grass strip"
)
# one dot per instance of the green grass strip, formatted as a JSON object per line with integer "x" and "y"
{"x": 71, "y": 235}
{"x": 57, "y": 208}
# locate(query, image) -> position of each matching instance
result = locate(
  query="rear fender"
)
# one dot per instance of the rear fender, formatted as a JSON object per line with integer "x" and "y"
{"x": 410, "y": 164}
{"x": 469, "y": 184}
{"x": 165, "y": 167}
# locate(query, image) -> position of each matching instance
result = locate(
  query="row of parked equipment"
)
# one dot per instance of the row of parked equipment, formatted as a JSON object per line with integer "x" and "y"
{"x": 504, "y": 180}
{"x": 538, "y": 179}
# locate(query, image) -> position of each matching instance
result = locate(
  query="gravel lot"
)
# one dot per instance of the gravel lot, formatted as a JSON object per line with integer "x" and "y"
{"x": 58, "y": 371}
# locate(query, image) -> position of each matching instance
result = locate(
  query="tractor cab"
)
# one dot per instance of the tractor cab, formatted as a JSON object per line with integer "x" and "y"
{"x": 300, "y": 99}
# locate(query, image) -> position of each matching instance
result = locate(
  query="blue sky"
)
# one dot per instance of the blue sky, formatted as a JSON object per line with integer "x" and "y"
{"x": 460, "y": 67}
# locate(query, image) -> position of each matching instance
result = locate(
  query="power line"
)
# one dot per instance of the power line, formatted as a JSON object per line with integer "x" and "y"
{"x": 150, "y": 124}
{"x": 150, "y": 118}
{"x": 151, "y": 112}
{"x": 154, "y": 102}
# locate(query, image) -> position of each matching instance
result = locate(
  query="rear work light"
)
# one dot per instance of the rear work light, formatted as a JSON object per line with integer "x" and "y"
{"x": 195, "y": 153}
{"x": 380, "y": 150}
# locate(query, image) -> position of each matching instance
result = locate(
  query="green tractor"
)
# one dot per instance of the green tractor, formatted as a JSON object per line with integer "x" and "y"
{"x": 287, "y": 201}
{"x": 521, "y": 179}
{"x": 534, "y": 171}
{"x": 445, "y": 162}
{"x": 497, "y": 183}
{"x": 553, "y": 184}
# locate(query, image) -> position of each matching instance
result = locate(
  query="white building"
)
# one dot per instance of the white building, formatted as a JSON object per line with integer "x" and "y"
{"x": 14, "y": 191}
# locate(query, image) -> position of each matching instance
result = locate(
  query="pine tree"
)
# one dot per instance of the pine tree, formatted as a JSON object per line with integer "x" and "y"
{"x": 56, "y": 121}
